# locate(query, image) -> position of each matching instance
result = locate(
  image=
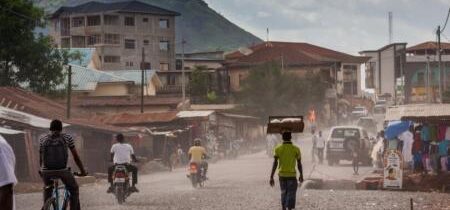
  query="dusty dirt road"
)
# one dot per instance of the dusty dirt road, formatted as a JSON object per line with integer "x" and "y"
{"x": 243, "y": 184}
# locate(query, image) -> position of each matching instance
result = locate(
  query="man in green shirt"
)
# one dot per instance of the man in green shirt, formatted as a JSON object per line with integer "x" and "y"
{"x": 286, "y": 157}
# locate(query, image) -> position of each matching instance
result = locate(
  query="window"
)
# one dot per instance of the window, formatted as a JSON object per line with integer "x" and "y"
{"x": 145, "y": 20}
{"x": 112, "y": 39}
{"x": 163, "y": 23}
{"x": 65, "y": 43}
{"x": 130, "y": 44}
{"x": 146, "y": 42}
{"x": 112, "y": 59}
{"x": 129, "y": 63}
{"x": 78, "y": 41}
{"x": 348, "y": 86}
{"x": 421, "y": 78}
{"x": 147, "y": 65}
{"x": 164, "y": 66}
{"x": 94, "y": 39}
{"x": 178, "y": 64}
{"x": 93, "y": 20}
{"x": 370, "y": 75}
{"x": 164, "y": 45}
{"x": 172, "y": 79}
{"x": 78, "y": 22}
{"x": 111, "y": 19}
{"x": 129, "y": 21}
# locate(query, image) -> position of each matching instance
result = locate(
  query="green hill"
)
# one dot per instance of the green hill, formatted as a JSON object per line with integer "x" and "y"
{"x": 202, "y": 27}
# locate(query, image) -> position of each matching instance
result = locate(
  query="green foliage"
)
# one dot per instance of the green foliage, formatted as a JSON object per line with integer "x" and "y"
{"x": 27, "y": 59}
{"x": 268, "y": 91}
{"x": 212, "y": 96}
{"x": 199, "y": 81}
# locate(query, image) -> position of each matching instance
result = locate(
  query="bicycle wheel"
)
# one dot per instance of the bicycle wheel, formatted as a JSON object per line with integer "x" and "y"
{"x": 50, "y": 204}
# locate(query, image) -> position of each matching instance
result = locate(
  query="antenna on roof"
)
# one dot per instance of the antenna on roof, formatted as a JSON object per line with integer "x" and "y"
{"x": 390, "y": 27}
{"x": 267, "y": 38}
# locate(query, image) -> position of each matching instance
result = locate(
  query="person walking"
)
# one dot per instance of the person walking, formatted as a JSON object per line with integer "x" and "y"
{"x": 286, "y": 157}
{"x": 320, "y": 144}
{"x": 314, "y": 146}
{"x": 7, "y": 177}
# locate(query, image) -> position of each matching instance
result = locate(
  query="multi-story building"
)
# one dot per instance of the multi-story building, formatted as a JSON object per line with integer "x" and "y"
{"x": 119, "y": 31}
{"x": 338, "y": 70}
{"x": 384, "y": 67}
{"x": 422, "y": 75}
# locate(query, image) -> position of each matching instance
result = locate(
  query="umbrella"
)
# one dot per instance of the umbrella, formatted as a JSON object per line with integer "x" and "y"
{"x": 395, "y": 128}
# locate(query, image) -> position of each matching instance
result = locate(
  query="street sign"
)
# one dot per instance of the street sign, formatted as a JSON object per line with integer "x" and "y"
{"x": 393, "y": 170}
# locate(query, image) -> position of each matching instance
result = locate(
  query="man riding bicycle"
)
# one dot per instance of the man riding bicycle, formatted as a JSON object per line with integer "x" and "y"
{"x": 122, "y": 154}
{"x": 53, "y": 162}
{"x": 197, "y": 154}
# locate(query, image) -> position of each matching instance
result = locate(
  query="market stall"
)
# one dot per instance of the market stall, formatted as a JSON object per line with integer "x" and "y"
{"x": 421, "y": 135}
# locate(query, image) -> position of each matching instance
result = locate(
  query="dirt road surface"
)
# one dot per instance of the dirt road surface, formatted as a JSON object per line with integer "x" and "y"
{"x": 243, "y": 184}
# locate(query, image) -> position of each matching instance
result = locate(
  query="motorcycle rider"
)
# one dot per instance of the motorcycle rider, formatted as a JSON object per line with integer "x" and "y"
{"x": 122, "y": 154}
{"x": 53, "y": 161}
{"x": 197, "y": 154}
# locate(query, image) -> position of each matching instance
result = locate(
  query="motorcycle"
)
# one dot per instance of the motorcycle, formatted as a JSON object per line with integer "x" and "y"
{"x": 121, "y": 183}
{"x": 197, "y": 175}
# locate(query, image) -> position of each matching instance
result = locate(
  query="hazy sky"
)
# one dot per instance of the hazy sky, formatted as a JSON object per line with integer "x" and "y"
{"x": 345, "y": 25}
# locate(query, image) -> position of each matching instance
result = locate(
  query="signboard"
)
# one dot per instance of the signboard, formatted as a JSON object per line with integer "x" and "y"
{"x": 393, "y": 170}
{"x": 278, "y": 124}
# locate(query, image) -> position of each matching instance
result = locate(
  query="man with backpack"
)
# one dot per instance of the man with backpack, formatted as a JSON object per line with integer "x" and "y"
{"x": 53, "y": 152}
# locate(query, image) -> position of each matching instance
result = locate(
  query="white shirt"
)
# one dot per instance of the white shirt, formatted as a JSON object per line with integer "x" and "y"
{"x": 7, "y": 164}
{"x": 320, "y": 142}
{"x": 122, "y": 153}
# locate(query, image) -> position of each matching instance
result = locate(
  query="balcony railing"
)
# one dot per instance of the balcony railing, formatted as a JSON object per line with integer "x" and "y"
{"x": 171, "y": 89}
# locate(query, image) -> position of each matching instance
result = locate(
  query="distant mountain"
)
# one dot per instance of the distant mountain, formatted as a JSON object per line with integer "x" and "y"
{"x": 202, "y": 27}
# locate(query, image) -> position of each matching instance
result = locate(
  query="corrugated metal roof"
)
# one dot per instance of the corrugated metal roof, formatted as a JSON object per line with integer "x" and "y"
{"x": 212, "y": 106}
{"x": 123, "y": 6}
{"x": 192, "y": 114}
{"x": 238, "y": 116}
{"x": 128, "y": 118}
{"x": 418, "y": 111}
{"x": 134, "y": 75}
{"x": 86, "y": 79}
{"x": 8, "y": 131}
{"x": 22, "y": 117}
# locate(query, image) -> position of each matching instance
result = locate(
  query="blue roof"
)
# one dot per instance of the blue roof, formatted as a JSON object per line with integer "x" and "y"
{"x": 86, "y": 56}
{"x": 86, "y": 79}
{"x": 134, "y": 75}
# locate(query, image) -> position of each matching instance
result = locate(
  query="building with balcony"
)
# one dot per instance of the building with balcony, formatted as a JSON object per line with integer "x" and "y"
{"x": 338, "y": 70}
{"x": 422, "y": 76}
{"x": 120, "y": 32}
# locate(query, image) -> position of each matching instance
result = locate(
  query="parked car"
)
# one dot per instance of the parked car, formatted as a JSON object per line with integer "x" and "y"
{"x": 359, "y": 111}
{"x": 369, "y": 124}
{"x": 342, "y": 139}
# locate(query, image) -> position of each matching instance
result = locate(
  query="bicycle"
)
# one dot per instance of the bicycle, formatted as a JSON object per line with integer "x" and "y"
{"x": 60, "y": 196}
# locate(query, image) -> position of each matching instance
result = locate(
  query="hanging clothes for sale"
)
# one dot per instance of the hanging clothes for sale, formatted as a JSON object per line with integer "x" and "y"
{"x": 425, "y": 133}
{"x": 433, "y": 133}
{"x": 417, "y": 145}
{"x": 408, "y": 139}
{"x": 447, "y": 133}
{"x": 442, "y": 129}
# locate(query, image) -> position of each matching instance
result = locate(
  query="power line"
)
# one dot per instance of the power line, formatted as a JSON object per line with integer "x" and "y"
{"x": 446, "y": 21}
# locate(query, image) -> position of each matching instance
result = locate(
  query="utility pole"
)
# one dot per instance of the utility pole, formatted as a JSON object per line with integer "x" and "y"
{"x": 441, "y": 78}
{"x": 183, "y": 76}
{"x": 402, "y": 77}
{"x": 69, "y": 91}
{"x": 427, "y": 86}
{"x": 142, "y": 80}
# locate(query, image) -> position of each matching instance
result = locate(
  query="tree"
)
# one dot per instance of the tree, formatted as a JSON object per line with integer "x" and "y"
{"x": 26, "y": 58}
{"x": 269, "y": 91}
{"x": 199, "y": 83}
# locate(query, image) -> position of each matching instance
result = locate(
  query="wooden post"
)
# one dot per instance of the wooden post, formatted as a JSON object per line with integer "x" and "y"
{"x": 32, "y": 157}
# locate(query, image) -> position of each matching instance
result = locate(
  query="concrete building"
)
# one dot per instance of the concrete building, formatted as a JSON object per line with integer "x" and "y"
{"x": 384, "y": 67}
{"x": 422, "y": 74}
{"x": 119, "y": 31}
{"x": 339, "y": 70}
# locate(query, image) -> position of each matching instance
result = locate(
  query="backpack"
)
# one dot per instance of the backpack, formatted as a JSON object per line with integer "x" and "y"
{"x": 55, "y": 154}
